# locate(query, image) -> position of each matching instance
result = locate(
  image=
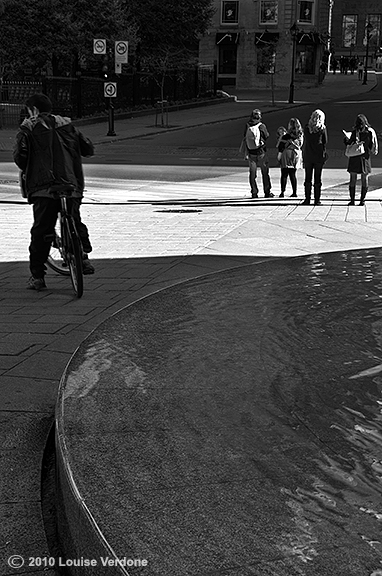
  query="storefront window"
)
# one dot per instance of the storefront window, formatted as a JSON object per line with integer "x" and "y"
{"x": 374, "y": 39}
{"x": 305, "y": 58}
{"x": 349, "y": 30}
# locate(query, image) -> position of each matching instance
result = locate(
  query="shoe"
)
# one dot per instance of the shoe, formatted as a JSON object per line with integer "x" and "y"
{"x": 306, "y": 203}
{"x": 318, "y": 203}
{"x": 281, "y": 195}
{"x": 87, "y": 266}
{"x": 270, "y": 195}
{"x": 254, "y": 195}
{"x": 36, "y": 284}
{"x": 362, "y": 203}
{"x": 293, "y": 195}
{"x": 351, "y": 203}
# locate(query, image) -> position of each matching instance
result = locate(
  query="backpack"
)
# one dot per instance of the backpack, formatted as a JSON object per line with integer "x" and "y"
{"x": 253, "y": 137}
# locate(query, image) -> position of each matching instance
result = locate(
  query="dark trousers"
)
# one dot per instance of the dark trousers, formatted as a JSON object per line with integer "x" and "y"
{"x": 313, "y": 168}
{"x": 45, "y": 212}
{"x": 291, "y": 172}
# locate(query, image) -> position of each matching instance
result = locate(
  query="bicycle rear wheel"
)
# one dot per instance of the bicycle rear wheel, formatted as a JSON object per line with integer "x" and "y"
{"x": 56, "y": 259}
{"x": 73, "y": 254}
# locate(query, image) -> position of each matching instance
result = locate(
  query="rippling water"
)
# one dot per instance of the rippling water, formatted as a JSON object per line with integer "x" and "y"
{"x": 266, "y": 379}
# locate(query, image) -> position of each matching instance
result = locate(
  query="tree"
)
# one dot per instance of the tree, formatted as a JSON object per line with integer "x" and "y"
{"x": 168, "y": 35}
{"x": 55, "y": 34}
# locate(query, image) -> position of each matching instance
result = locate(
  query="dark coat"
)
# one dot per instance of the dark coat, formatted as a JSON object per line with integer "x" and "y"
{"x": 314, "y": 147}
{"x": 361, "y": 164}
{"x": 48, "y": 150}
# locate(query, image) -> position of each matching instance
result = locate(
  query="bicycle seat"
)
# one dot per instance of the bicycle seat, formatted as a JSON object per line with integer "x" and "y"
{"x": 62, "y": 189}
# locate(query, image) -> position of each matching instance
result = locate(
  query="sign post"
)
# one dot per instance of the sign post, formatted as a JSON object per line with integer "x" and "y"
{"x": 110, "y": 91}
{"x": 121, "y": 49}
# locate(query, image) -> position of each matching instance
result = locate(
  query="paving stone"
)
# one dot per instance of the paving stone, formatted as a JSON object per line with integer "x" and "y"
{"x": 45, "y": 365}
{"x": 27, "y": 394}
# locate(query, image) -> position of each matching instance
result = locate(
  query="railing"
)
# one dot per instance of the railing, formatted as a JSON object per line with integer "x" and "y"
{"x": 83, "y": 96}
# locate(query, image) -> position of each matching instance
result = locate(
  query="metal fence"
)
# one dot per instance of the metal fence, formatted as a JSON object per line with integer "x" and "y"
{"x": 83, "y": 96}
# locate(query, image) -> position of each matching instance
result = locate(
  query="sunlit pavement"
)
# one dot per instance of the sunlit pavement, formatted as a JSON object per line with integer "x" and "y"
{"x": 139, "y": 247}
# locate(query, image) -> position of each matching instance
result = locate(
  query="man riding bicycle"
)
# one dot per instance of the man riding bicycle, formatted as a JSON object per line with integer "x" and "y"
{"x": 48, "y": 151}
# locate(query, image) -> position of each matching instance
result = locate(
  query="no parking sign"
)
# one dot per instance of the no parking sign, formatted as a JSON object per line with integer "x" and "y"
{"x": 121, "y": 50}
{"x": 110, "y": 89}
{"x": 99, "y": 46}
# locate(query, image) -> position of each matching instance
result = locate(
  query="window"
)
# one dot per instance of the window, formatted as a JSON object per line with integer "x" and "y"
{"x": 349, "y": 30}
{"x": 266, "y": 57}
{"x": 266, "y": 43}
{"x": 268, "y": 12}
{"x": 305, "y": 58}
{"x": 374, "y": 38}
{"x": 230, "y": 12}
{"x": 305, "y": 11}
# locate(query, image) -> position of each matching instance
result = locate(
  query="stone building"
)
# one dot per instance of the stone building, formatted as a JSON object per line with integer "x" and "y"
{"x": 255, "y": 42}
{"x": 356, "y": 29}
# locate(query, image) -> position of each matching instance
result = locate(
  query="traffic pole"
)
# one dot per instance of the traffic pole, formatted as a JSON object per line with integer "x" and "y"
{"x": 111, "y": 119}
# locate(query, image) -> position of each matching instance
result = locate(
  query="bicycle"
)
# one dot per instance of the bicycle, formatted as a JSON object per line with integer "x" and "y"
{"x": 65, "y": 255}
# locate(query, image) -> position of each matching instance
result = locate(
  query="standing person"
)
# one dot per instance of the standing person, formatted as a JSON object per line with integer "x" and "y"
{"x": 314, "y": 155}
{"x": 48, "y": 151}
{"x": 360, "y": 69}
{"x": 289, "y": 147}
{"x": 362, "y": 132}
{"x": 255, "y": 137}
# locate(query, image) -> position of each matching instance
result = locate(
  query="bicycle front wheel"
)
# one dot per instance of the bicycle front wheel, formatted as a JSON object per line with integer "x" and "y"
{"x": 73, "y": 255}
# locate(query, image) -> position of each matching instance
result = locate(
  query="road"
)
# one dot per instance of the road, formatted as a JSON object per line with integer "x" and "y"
{"x": 204, "y": 161}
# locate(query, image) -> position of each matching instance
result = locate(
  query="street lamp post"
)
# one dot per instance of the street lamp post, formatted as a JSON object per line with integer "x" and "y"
{"x": 293, "y": 32}
{"x": 369, "y": 27}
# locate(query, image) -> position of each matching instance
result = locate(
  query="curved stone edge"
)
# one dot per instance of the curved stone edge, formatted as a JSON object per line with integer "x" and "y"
{"x": 78, "y": 532}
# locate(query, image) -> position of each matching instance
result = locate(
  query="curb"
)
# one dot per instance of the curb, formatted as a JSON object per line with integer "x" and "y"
{"x": 152, "y": 111}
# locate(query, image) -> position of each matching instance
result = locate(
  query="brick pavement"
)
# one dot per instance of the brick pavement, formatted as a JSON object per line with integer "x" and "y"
{"x": 40, "y": 331}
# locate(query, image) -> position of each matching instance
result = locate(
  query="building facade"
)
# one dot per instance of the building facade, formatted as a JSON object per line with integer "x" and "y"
{"x": 356, "y": 29}
{"x": 255, "y": 42}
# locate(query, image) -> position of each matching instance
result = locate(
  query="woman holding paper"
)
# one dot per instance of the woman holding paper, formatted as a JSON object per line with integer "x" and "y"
{"x": 366, "y": 139}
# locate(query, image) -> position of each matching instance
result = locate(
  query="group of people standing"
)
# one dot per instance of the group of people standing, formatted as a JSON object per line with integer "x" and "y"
{"x": 306, "y": 147}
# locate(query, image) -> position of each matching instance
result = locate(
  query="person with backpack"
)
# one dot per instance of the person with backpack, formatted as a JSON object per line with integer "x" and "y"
{"x": 289, "y": 148}
{"x": 255, "y": 137}
{"x": 48, "y": 151}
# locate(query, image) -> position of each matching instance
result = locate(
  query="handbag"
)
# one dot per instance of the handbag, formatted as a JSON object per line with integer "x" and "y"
{"x": 355, "y": 149}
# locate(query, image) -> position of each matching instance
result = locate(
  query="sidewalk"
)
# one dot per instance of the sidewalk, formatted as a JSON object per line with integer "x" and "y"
{"x": 334, "y": 86}
{"x": 138, "y": 249}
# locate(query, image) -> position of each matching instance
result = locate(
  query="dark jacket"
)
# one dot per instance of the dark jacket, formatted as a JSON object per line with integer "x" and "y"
{"x": 361, "y": 164}
{"x": 48, "y": 150}
{"x": 314, "y": 147}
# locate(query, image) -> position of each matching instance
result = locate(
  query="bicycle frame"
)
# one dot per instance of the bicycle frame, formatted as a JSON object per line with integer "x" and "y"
{"x": 68, "y": 243}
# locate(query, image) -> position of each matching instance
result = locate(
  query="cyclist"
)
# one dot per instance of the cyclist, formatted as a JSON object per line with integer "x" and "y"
{"x": 48, "y": 151}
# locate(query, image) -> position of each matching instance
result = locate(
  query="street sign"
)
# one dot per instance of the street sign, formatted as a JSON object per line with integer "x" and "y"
{"x": 99, "y": 46}
{"x": 121, "y": 51}
{"x": 110, "y": 89}
{"x": 118, "y": 68}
